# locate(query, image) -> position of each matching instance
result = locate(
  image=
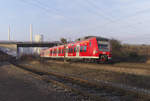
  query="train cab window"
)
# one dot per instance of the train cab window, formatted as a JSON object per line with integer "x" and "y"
{"x": 85, "y": 48}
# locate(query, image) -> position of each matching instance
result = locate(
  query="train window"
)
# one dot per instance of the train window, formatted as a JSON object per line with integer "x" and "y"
{"x": 90, "y": 43}
{"x": 74, "y": 49}
{"x": 59, "y": 51}
{"x": 81, "y": 49}
{"x": 71, "y": 50}
{"x": 85, "y": 48}
{"x": 62, "y": 51}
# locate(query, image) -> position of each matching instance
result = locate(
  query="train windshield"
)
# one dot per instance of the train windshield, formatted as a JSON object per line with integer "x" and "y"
{"x": 103, "y": 45}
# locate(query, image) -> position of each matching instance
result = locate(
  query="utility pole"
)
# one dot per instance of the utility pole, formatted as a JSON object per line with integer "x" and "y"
{"x": 9, "y": 33}
{"x": 31, "y": 33}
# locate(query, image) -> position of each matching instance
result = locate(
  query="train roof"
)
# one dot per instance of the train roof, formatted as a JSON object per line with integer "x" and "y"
{"x": 82, "y": 39}
{"x": 88, "y": 37}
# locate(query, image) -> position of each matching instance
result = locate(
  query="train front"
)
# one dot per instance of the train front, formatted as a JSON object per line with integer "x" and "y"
{"x": 104, "y": 49}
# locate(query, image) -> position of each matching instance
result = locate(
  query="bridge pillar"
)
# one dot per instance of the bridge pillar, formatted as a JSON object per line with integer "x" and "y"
{"x": 18, "y": 52}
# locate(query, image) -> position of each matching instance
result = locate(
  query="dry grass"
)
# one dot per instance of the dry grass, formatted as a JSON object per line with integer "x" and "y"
{"x": 133, "y": 65}
{"x": 118, "y": 73}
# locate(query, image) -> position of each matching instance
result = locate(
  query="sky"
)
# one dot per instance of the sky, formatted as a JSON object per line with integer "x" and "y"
{"x": 124, "y": 20}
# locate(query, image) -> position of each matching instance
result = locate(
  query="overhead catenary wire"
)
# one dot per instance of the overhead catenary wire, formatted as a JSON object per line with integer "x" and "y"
{"x": 93, "y": 5}
{"x": 46, "y": 6}
{"x": 109, "y": 18}
{"x": 40, "y": 5}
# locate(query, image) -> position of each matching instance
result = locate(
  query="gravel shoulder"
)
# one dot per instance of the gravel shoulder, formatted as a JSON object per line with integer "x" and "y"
{"x": 18, "y": 85}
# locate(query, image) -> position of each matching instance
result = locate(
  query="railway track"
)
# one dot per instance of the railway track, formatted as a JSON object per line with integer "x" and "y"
{"x": 91, "y": 90}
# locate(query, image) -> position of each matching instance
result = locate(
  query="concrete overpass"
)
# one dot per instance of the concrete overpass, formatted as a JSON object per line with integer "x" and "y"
{"x": 16, "y": 45}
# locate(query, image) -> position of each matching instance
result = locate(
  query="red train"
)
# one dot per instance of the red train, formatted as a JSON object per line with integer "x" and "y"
{"x": 88, "y": 49}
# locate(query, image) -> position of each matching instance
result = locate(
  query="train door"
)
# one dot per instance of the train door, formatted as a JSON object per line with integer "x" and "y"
{"x": 77, "y": 50}
{"x": 57, "y": 52}
{"x": 90, "y": 48}
{"x": 66, "y": 51}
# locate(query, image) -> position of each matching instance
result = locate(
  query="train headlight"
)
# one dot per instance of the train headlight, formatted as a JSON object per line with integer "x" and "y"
{"x": 94, "y": 51}
{"x": 104, "y": 52}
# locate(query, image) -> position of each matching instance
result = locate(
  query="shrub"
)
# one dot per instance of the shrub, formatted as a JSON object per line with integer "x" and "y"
{"x": 121, "y": 54}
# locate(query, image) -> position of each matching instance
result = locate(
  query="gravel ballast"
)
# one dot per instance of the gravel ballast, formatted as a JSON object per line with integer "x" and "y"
{"x": 19, "y": 85}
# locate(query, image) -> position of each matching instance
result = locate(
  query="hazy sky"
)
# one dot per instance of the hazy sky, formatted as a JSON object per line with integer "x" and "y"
{"x": 126, "y": 20}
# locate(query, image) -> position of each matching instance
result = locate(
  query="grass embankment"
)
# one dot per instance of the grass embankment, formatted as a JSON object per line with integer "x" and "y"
{"x": 119, "y": 73}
